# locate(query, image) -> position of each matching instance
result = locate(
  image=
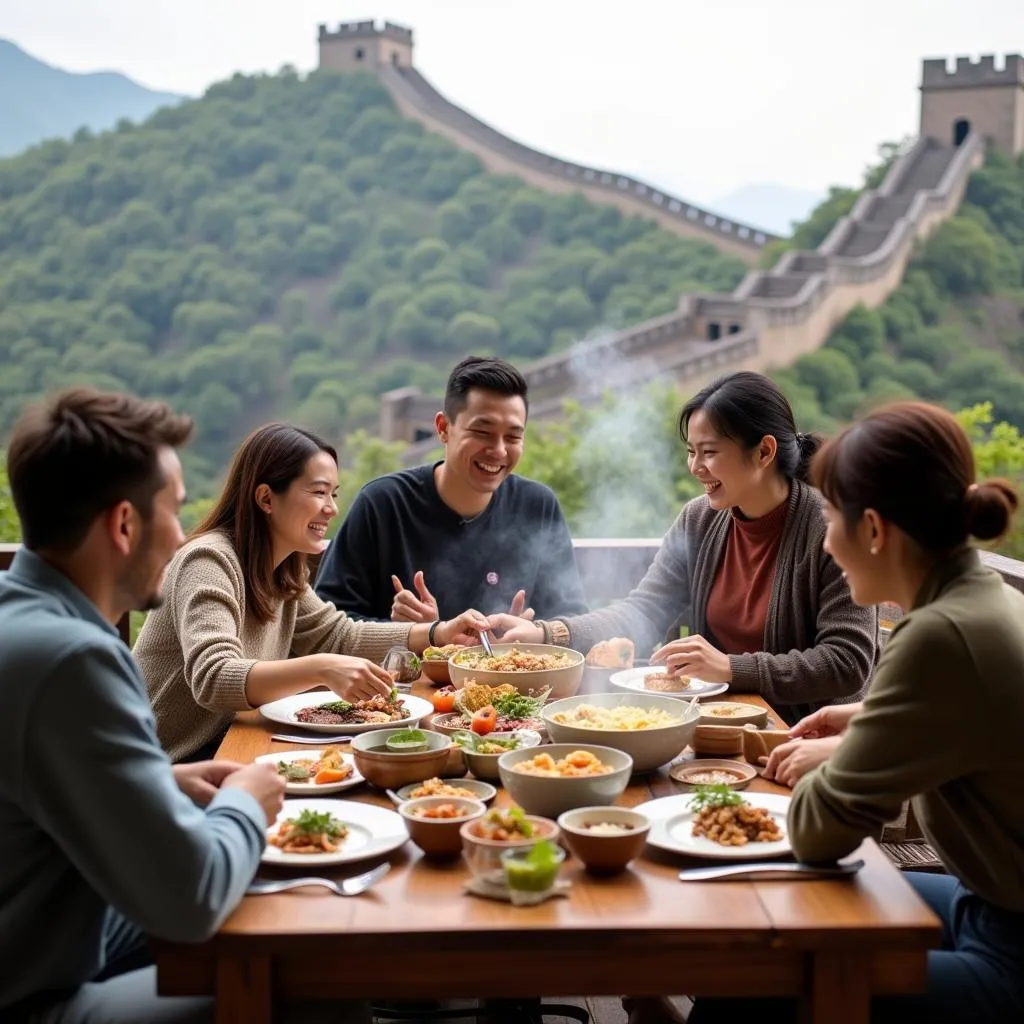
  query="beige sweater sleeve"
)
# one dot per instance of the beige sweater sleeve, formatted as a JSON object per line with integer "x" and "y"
{"x": 206, "y": 594}
{"x": 320, "y": 627}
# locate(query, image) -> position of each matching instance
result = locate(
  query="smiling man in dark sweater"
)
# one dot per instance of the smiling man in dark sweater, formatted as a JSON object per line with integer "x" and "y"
{"x": 430, "y": 542}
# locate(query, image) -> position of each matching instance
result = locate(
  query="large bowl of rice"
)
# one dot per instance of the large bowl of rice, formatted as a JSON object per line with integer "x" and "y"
{"x": 652, "y": 728}
{"x": 530, "y": 668}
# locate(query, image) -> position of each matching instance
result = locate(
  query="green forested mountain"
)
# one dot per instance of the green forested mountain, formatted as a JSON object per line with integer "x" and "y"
{"x": 291, "y": 246}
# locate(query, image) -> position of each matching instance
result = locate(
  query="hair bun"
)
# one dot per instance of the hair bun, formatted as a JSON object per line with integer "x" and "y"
{"x": 989, "y": 507}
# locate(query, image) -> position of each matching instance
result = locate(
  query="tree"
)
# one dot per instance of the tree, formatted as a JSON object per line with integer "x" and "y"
{"x": 962, "y": 258}
{"x": 10, "y": 527}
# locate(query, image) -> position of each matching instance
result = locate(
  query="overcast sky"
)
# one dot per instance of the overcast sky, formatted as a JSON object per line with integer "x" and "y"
{"x": 696, "y": 97}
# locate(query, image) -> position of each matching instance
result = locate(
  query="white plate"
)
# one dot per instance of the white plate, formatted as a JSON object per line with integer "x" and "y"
{"x": 372, "y": 831}
{"x": 311, "y": 788}
{"x": 632, "y": 679}
{"x": 283, "y": 712}
{"x": 672, "y": 822}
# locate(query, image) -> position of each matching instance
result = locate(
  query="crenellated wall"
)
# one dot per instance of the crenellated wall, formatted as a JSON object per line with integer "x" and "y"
{"x": 772, "y": 318}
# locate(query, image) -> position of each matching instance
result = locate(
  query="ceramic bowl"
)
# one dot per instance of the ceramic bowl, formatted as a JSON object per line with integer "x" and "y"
{"x": 484, "y": 855}
{"x": 482, "y": 791}
{"x": 725, "y": 712}
{"x": 734, "y": 774}
{"x": 435, "y": 671}
{"x": 649, "y": 748}
{"x": 564, "y": 682}
{"x": 389, "y": 770}
{"x": 439, "y": 837}
{"x": 550, "y": 796}
{"x": 604, "y": 853}
{"x": 485, "y": 766}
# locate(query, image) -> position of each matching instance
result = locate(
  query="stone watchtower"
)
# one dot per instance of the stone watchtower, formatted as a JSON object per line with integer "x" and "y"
{"x": 975, "y": 97}
{"x": 365, "y": 46}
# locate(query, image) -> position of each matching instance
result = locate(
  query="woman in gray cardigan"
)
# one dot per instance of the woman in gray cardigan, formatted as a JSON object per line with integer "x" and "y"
{"x": 742, "y": 567}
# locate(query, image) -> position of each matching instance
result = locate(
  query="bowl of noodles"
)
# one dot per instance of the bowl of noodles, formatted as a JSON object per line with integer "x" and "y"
{"x": 653, "y": 729}
{"x": 527, "y": 667}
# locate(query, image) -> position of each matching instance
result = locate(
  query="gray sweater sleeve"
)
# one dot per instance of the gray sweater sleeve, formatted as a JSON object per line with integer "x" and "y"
{"x": 659, "y": 599}
{"x": 97, "y": 781}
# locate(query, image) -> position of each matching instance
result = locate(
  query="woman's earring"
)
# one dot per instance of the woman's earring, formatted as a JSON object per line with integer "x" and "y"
{"x": 874, "y": 550}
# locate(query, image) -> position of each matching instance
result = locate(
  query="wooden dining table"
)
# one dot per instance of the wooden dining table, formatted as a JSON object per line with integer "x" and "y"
{"x": 832, "y": 944}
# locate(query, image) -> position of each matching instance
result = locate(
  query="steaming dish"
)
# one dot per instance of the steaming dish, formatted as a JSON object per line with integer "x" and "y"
{"x": 514, "y": 710}
{"x": 310, "y": 832}
{"x": 377, "y": 710}
{"x": 724, "y": 817}
{"x": 330, "y": 767}
{"x": 615, "y": 653}
{"x": 512, "y": 661}
{"x": 662, "y": 682}
{"x": 438, "y": 787}
{"x": 580, "y": 764}
{"x": 621, "y": 719}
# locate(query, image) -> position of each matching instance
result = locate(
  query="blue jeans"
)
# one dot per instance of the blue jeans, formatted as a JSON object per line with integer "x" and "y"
{"x": 977, "y": 976}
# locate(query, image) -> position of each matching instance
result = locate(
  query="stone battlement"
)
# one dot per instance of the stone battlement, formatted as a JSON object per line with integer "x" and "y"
{"x": 937, "y": 74}
{"x": 367, "y": 30}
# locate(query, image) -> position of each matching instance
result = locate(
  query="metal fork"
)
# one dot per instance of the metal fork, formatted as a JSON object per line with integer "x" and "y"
{"x": 346, "y": 887}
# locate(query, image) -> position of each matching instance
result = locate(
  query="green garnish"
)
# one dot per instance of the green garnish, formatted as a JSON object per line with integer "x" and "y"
{"x": 466, "y": 740}
{"x": 407, "y": 741}
{"x": 293, "y": 771}
{"x": 718, "y": 795}
{"x": 519, "y": 705}
{"x": 512, "y": 819}
{"x": 339, "y": 707}
{"x": 537, "y": 870}
{"x": 318, "y": 823}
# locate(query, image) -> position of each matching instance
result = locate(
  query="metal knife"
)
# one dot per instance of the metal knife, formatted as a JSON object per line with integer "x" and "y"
{"x": 769, "y": 871}
{"x": 312, "y": 740}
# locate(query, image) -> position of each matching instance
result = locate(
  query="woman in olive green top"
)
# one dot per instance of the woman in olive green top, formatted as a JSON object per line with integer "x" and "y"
{"x": 941, "y": 724}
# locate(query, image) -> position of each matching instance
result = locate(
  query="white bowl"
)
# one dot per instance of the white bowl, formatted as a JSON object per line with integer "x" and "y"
{"x": 564, "y": 682}
{"x": 649, "y": 748}
{"x": 550, "y": 796}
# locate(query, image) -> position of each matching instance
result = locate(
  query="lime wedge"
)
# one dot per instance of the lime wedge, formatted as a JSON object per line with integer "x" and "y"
{"x": 408, "y": 741}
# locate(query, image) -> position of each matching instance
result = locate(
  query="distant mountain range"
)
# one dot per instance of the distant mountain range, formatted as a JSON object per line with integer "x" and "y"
{"x": 773, "y": 207}
{"x": 42, "y": 102}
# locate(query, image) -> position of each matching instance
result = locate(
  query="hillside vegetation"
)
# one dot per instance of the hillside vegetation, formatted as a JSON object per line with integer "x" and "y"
{"x": 292, "y": 247}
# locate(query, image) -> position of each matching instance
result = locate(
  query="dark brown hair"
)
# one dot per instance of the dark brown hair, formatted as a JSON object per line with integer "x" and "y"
{"x": 487, "y": 373}
{"x": 912, "y": 463}
{"x": 274, "y": 455}
{"x": 79, "y": 453}
{"x": 746, "y": 407}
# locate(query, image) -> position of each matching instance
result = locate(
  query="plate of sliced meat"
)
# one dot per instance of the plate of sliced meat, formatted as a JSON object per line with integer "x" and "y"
{"x": 324, "y": 712}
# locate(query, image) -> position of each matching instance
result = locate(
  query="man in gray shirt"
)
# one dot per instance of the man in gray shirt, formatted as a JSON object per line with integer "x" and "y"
{"x": 101, "y": 840}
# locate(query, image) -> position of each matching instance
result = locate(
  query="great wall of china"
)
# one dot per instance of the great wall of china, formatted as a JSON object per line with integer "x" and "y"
{"x": 773, "y": 316}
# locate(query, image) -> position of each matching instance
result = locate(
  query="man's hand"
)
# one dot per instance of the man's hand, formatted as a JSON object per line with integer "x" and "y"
{"x": 519, "y": 609}
{"x": 262, "y": 782}
{"x": 512, "y": 630}
{"x": 790, "y": 762}
{"x": 694, "y": 656}
{"x": 408, "y": 606}
{"x": 200, "y": 781}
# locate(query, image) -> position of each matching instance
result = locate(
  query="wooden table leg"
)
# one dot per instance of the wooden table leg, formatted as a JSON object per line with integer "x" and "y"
{"x": 838, "y": 990}
{"x": 244, "y": 992}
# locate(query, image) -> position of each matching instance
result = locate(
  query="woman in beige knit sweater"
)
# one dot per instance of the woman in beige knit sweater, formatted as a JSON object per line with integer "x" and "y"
{"x": 240, "y": 625}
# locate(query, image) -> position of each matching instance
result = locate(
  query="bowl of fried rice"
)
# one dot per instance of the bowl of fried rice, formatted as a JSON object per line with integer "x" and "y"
{"x": 653, "y": 729}
{"x": 527, "y": 667}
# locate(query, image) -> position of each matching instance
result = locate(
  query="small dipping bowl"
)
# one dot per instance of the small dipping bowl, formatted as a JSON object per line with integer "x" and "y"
{"x": 604, "y": 853}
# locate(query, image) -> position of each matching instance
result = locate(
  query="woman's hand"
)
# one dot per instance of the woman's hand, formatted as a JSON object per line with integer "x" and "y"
{"x": 408, "y": 606}
{"x": 694, "y": 656}
{"x": 512, "y": 629}
{"x": 464, "y": 630}
{"x": 790, "y": 762}
{"x": 831, "y": 720}
{"x": 353, "y": 679}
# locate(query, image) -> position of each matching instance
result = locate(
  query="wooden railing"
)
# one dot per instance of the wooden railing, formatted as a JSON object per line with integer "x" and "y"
{"x": 611, "y": 567}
